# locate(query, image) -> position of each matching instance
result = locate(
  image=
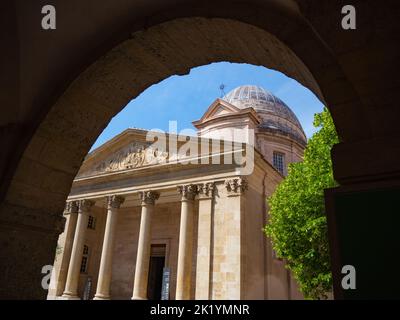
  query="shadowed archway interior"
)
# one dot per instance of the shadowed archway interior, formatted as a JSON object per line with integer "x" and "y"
{"x": 278, "y": 37}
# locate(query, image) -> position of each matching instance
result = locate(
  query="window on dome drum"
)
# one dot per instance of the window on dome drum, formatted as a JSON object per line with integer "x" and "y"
{"x": 85, "y": 259}
{"x": 278, "y": 161}
{"x": 91, "y": 223}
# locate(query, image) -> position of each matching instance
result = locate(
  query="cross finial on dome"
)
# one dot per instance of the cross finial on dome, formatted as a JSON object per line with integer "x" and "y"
{"x": 222, "y": 87}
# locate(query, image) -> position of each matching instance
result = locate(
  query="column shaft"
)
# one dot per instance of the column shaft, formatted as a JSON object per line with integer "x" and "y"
{"x": 71, "y": 287}
{"x": 144, "y": 245}
{"x": 68, "y": 243}
{"x": 184, "y": 270}
{"x": 105, "y": 271}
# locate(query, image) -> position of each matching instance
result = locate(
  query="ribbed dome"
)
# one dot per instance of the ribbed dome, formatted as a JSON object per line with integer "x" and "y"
{"x": 275, "y": 114}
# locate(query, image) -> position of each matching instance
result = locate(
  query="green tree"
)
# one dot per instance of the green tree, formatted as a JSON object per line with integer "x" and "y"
{"x": 297, "y": 221}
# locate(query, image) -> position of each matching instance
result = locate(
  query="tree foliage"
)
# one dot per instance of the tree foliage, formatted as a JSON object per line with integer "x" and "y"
{"x": 297, "y": 221}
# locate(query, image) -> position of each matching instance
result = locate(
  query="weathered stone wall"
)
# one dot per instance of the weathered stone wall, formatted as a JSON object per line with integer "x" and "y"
{"x": 226, "y": 278}
{"x": 268, "y": 144}
{"x": 253, "y": 242}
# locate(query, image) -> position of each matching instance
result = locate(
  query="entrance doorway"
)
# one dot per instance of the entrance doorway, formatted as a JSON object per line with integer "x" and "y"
{"x": 157, "y": 263}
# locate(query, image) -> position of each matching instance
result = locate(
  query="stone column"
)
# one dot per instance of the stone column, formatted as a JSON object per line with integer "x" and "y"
{"x": 71, "y": 210}
{"x": 148, "y": 199}
{"x": 104, "y": 279}
{"x": 71, "y": 288}
{"x": 183, "y": 277}
{"x": 203, "y": 278}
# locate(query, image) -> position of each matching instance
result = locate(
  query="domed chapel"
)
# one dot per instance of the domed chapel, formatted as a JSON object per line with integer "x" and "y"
{"x": 177, "y": 217}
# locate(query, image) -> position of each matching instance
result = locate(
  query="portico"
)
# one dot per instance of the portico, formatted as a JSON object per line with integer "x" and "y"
{"x": 190, "y": 250}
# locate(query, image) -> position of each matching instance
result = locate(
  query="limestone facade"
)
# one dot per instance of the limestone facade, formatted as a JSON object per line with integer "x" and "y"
{"x": 136, "y": 208}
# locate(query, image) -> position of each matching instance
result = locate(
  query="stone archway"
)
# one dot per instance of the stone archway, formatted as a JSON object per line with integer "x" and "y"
{"x": 276, "y": 35}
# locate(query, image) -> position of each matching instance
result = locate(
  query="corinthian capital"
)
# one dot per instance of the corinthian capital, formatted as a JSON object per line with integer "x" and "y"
{"x": 148, "y": 197}
{"x": 236, "y": 186}
{"x": 115, "y": 201}
{"x": 71, "y": 207}
{"x": 205, "y": 190}
{"x": 85, "y": 205}
{"x": 188, "y": 191}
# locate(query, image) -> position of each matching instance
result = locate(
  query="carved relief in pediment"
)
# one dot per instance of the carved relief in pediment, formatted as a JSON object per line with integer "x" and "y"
{"x": 132, "y": 156}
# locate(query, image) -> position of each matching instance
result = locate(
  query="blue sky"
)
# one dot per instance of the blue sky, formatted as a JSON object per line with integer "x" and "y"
{"x": 186, "y": 98}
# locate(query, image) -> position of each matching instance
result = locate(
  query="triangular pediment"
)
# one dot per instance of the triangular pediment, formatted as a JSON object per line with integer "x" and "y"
{"x": 217, "y": 109}
{"x": 128, "y": 150}
{"x": 221, "y": 109}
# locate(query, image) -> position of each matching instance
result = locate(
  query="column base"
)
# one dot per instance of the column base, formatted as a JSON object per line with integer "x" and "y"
{"x": 138, "y": 298}
{"x": 101, "y": 297}
{"x": 69, "y": 296}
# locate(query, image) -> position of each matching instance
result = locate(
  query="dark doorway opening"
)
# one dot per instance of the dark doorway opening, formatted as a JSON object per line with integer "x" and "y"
{"x": 157, "y": 263}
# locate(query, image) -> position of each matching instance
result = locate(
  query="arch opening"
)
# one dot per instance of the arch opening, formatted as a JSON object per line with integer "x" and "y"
{"x": 49, "y": 164}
